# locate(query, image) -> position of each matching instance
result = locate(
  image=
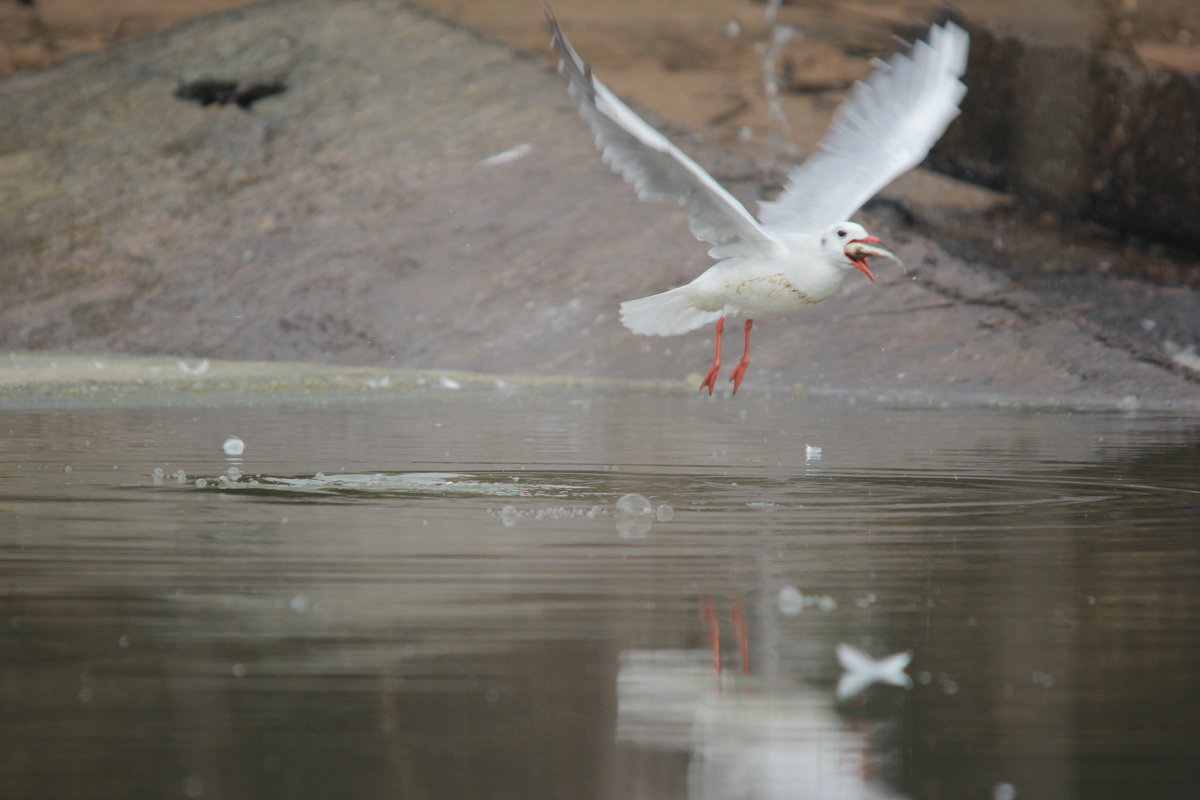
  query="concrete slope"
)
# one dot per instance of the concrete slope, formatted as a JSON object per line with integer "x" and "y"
{"x": 354, "y": 219}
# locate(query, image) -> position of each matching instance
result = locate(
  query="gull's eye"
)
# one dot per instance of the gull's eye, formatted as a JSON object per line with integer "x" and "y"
{"x": 841, "y": 233}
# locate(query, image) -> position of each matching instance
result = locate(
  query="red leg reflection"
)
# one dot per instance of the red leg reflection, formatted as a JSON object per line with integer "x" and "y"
{"x": 714, "y": 632}
{"x": 739, "y": 632}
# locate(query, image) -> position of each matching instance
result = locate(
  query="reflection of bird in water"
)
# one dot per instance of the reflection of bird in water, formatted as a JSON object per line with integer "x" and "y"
{"x": 804, "y": 246}
{"x": 750, "y": 741}
{"x": 738, "y": 619}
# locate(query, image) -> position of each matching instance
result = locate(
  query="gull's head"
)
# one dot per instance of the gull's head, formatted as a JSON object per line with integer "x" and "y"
{"x": 849, "y": 246}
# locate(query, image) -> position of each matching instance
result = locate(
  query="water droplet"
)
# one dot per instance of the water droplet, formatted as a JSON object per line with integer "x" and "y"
{"x": 157, "y": 475}
{"x": 193, "y": 786}
{"x": 86, "y": 695}
{"x": 233, "y": 473}
{"x": 233, "y": 446}
{"x": 299, "y": 604}
{"x": 201, "y": 483}
{"x": 508, "y": 515}
{"x": 790, "y": 601}
{"x": 812, "y": 452}
{"x": 634, "y": 505}
{"x": 239, "y": 670}
{"x": 123, "y": 641}
{"x": 664, "y": 513}
{"x": 68, "y": 468}
{"x": 180, "y": 476}
{"x": 1004, "y": 791}
{"x": 633, "y": 516}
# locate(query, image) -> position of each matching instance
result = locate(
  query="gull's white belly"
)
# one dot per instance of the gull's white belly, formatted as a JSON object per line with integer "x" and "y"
{"x": 771, "y": 295}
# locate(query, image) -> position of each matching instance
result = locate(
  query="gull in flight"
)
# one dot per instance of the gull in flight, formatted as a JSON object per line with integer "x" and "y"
{"x": 801, "y": 247}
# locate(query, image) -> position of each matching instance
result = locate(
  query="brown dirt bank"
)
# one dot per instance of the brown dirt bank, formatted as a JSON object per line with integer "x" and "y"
{"x": 350, "y": 220}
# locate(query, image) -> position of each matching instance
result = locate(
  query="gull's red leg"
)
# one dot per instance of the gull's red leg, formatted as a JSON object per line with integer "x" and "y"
{"x": 710, "y": 379}
{"x": 739, "y": 371}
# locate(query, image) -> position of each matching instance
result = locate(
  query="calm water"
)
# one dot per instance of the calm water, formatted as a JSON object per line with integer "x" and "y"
{"x": 454, "y": 607}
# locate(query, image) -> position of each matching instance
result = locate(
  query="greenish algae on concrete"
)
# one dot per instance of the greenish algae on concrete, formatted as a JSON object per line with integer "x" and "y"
{"x": 69, "y": 380}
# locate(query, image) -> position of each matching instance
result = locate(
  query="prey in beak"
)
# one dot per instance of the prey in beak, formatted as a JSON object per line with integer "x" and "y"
{"x": 859, "y": 250}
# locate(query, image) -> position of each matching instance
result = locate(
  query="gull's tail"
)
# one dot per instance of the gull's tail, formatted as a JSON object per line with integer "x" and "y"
{"x": 665, "y": 314}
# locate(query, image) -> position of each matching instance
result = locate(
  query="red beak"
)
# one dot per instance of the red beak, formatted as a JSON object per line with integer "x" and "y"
{"x": 861, "y": 262}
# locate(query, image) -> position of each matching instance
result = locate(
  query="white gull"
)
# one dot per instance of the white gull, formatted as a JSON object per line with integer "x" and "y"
{"x": 804, "y": 244}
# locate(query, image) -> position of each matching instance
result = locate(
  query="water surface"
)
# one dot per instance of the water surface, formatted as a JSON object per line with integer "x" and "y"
{"x": 432, "y": 594}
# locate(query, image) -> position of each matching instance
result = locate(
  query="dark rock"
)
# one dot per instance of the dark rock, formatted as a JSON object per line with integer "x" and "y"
{"x": 1090, "y": 133}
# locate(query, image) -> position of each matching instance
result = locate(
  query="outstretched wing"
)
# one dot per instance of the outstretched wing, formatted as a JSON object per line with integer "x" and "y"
{"x": 883, "y": 129}
{"x": 658, "y": 169}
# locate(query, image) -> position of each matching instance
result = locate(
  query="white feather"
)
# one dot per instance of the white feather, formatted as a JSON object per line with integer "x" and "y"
{"x": 658, "y": 169}
{"x": 665, "y": 314}
{"x": 862, "y": 670}
{"x": 884, "y": 128}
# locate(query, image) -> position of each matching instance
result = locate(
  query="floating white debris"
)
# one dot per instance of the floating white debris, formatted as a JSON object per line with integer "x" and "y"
{"x": 233, "y": 446}
{"x": 379, "y": 383}
{"x": 1043, "y": 679}
{"x": 790, "y": 601}
{"x": 449, "y": 383}
{"x": 1129, "y": 402}
{"x": 180, "y": 476}
{"x": 507, "y": 156}
{"x": 863, "y": 671}
{"x": 193, "y": 787}
{"x": 633, "y": 515}
{"x": 156, "y": 475}
{"x": 812, "y": 452}
{"x": 509, "y": 515}
{"x": 199, "y": 369}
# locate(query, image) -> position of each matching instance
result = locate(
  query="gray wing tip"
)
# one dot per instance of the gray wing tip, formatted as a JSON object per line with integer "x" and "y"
{"x": 577, "y": 71}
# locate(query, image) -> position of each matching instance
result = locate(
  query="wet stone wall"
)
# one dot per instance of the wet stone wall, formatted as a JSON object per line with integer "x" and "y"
{"x": 1089, "y": 133}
